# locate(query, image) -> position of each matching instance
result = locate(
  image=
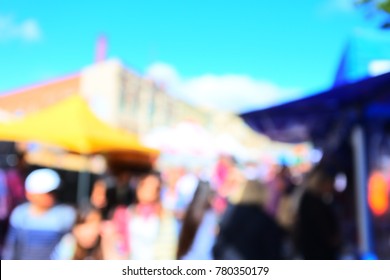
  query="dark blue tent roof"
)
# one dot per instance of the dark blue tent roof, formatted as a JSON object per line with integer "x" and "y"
{"x": 310, "y": 118}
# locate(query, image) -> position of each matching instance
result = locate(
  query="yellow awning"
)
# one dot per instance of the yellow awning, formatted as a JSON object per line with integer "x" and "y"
{"x": 71, "y": 125}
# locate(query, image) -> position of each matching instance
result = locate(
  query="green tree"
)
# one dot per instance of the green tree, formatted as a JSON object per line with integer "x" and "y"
{"x": 383, "y": 5}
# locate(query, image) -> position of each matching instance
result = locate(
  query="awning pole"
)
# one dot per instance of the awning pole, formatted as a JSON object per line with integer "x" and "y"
{"x": 83, "y": 185}
{"x": 362, "y": 210}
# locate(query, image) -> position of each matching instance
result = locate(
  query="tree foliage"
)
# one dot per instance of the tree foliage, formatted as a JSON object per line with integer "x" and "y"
{"x": 383, "y": 5}
{"x": 374, "y": 7}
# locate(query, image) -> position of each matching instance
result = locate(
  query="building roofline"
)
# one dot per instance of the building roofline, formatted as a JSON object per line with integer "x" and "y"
{"x": 39, "y": 84}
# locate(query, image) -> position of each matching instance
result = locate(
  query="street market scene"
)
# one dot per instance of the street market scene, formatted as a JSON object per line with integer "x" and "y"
{"x": 199, "y": 131}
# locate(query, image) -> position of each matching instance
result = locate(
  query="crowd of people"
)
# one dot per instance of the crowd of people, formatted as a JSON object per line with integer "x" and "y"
{"x": 235, "y": 213}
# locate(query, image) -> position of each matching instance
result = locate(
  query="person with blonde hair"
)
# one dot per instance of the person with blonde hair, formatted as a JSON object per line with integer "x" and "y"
{"x": 247, "y": 231}
{"x": 317, "y": 231}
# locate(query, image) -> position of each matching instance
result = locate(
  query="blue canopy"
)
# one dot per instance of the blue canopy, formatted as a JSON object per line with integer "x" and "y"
{"x": 312, "y": 117}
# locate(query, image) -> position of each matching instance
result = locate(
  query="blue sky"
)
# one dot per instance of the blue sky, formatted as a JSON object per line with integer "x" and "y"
{"x": 236, "y": 55}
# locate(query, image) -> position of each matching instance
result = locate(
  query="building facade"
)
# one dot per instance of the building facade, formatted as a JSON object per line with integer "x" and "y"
{"x": 128, "y": 100}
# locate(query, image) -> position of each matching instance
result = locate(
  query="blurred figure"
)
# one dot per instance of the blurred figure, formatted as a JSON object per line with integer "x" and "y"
{"x": 280, "y": 186}
{"x": 15, "y": 179}
{"x": 84, "y": 242}
{"x": 199, "y": 226}
{"x": 288, "y": 197}
{"x": 124, "y": 193}
{"x": 177, "y": 193}
{"x": 186, "y": 187}
{"x": 4, "y": 208}
{"x": 252, "y": 171}
{"x": 16, "y": 176}
{"x": 317, "y": 231}
{"x": 226, "y": 175}
{"x": 38, "y": 225}
{"x": 99, "y": 197}
{"x": 169, "y": 193}
{"x": 285, "y": 208}
{"x": 146, "y": 231}
{"x": 12, "y": 191}
{"x": 247, "y": 231}
{"x": 179, "y": 190}
{"x": 109, "y": 192}
{"x": 226, "y": 180}
{"x": 221, "y": 171}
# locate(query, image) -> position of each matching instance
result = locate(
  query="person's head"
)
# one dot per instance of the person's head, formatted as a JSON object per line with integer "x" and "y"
{"x": 41, "y": 186}
{"x": 148, "y": 188}
{"x": 200, "y": 203}
{"x": 253, "y": 192}
{"x": 87, "y": 233}
{"x": 98, "y": 196}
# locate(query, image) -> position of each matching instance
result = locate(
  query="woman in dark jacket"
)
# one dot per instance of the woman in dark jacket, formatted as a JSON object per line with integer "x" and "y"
{"x": 317, "y": 232}
{"x": 247, "y": 231}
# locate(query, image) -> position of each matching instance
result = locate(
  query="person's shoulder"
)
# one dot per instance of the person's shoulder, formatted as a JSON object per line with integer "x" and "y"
{"x": 18, "y": 214}
{"x": 20, "y": 209}
{"x": 65, "y": 212}
{"x": 65, "y": 208}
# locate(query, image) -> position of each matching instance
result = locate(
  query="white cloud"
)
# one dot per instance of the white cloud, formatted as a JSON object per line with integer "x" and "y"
{"x": 164, "y": 74}
{"x": 236, "y": 93}
{"x": 342, "y": 5}
{"x": 332, "y": 7}
{"x": 30, "y": 30}
{"x": 379, "y": 67}
{"x": 26, "y": 30}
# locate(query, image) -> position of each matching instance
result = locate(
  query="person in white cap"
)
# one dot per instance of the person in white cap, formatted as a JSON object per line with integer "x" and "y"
{"x": 37, "y": 225}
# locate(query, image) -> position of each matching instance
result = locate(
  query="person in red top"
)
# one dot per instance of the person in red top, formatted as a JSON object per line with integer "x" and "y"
{"x": 227, "y": 178}
{"x": 15, "y": 181}
{"x": 12, "y": 192}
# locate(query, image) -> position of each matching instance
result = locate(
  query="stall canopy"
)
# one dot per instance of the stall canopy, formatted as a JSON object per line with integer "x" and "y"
{"x": 351, "y": 111}
{"x": 311, "y": 118}
{"x": 71, "y": 125}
